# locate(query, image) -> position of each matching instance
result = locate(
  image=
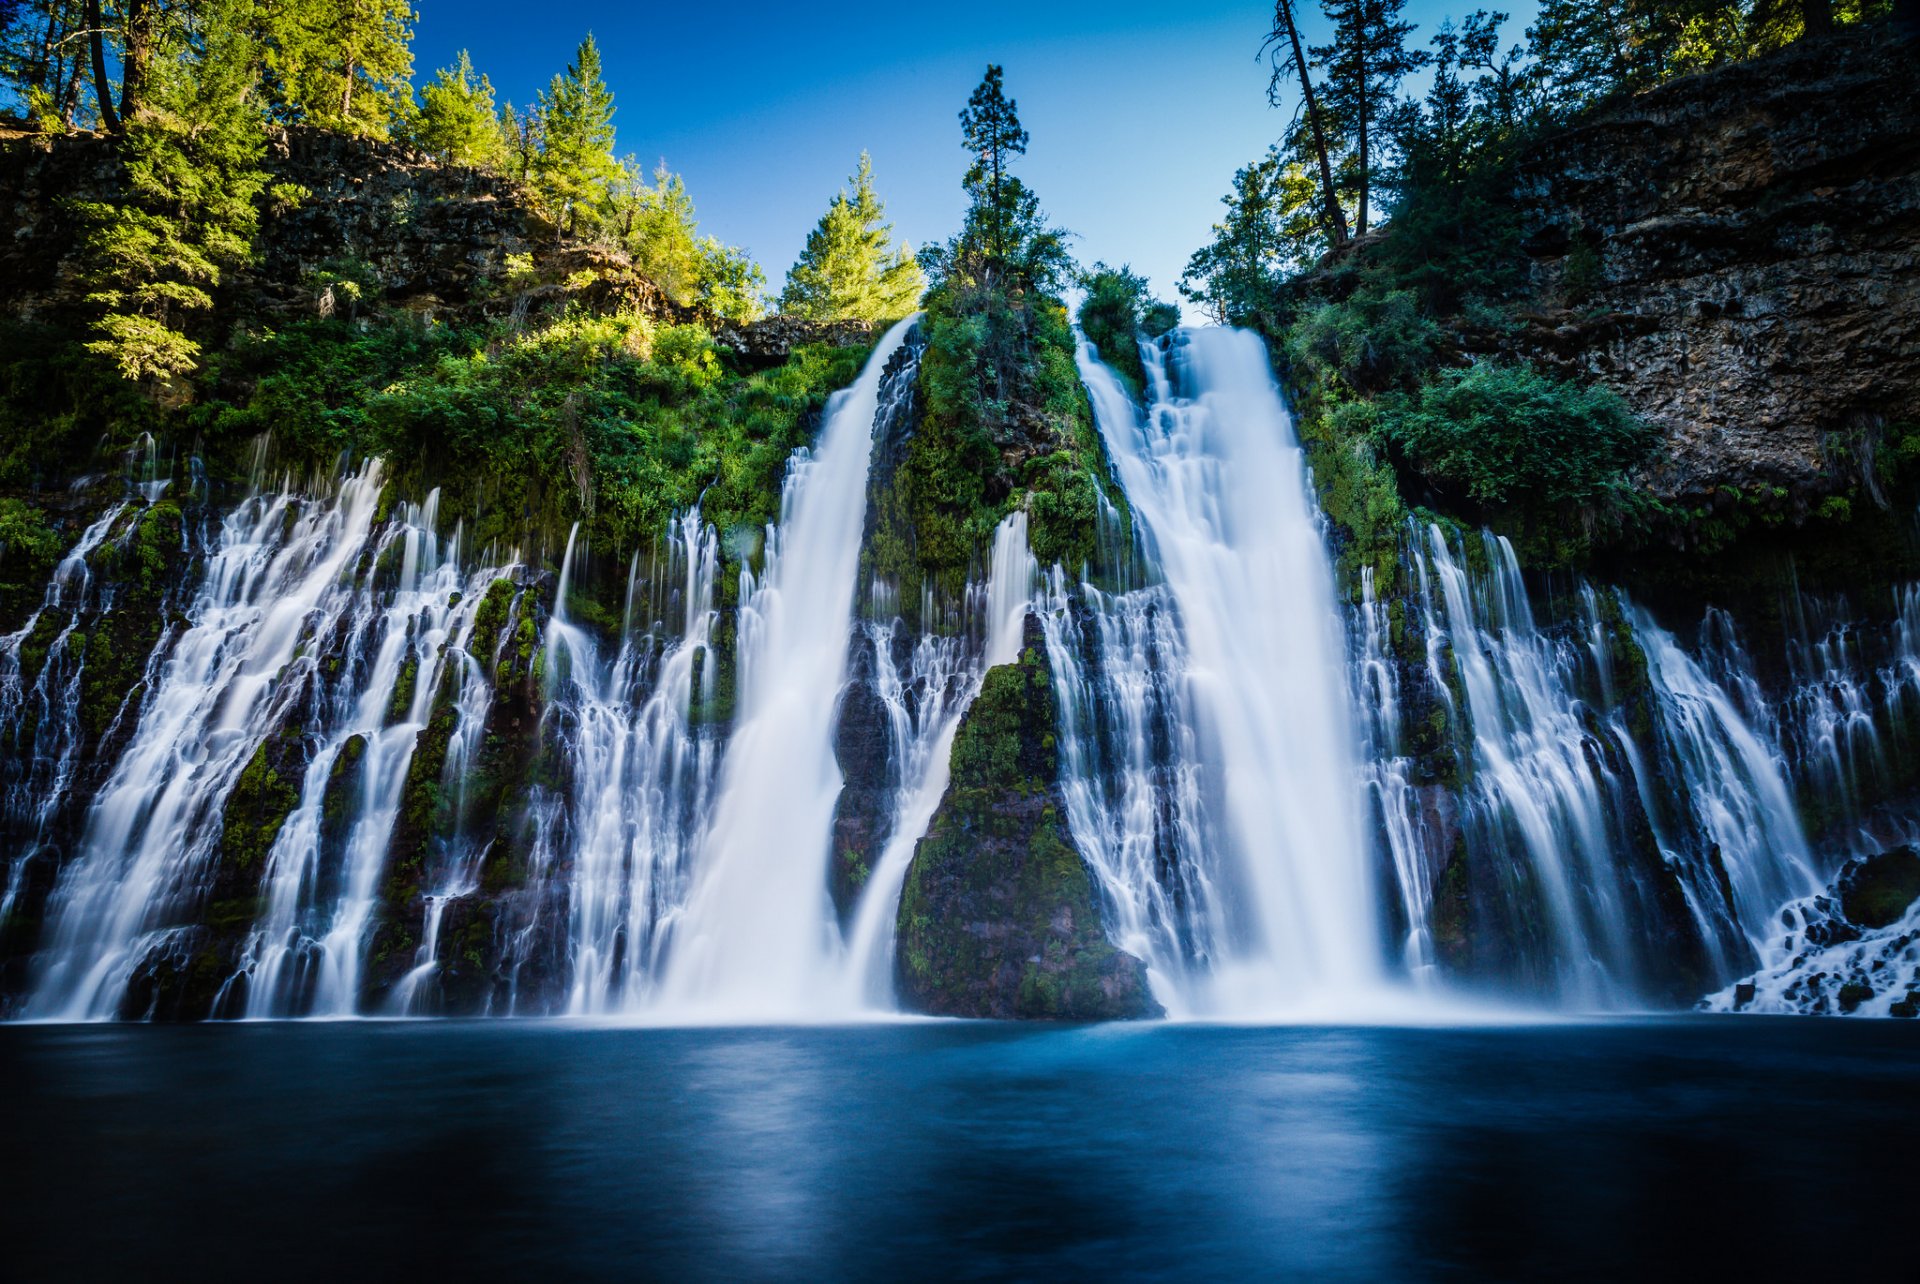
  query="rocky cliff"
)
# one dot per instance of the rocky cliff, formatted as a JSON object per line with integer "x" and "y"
{"x": 1738, "y": 255}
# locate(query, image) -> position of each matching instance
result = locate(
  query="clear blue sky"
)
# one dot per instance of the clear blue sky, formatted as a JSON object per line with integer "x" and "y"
{"x": 1139, "y": 112}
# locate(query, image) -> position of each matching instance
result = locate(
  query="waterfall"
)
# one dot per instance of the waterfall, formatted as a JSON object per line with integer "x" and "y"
{"x": 41, "y": 722}
{"x": 757, "y": 935}
{"x": 1543, "y": 792}
{"x": 1219, "y": 485}
{"x": 1748, "y": 855}
{"x": 924, "y": 712}
{"x": 642, "y": 772}
{"x": 307, "y": 952}
{"x": 272, "y": 586}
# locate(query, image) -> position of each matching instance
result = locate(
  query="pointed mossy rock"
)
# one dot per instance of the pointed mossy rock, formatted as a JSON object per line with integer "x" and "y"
{"x": 999, "y": 916}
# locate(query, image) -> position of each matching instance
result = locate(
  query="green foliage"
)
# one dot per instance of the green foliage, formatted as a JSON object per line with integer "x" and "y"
{"x": 456, "y": 120}
{"x": 576, "y": 170}
{"x": 1509, "y": 436}
{"x": 1273, "y": 226}
{"x": 1006, "y": 244}
{"x": 188, "y": 208}
{"x": 615, "y": 421}
{"x": 1374, "y": 341}
{"x": 1116, "y": 312}
{"x": 29, "y": 549}
{"x": 342, "y": 64}
{"x": 850, "y": 269}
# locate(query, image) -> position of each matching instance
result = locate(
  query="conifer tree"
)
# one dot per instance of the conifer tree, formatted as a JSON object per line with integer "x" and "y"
{"x": 1289, "y": 59}
{"x": 193, "y": 153}
{"x": 1273, "y": 223}
{"x": 520, "y": 140}
{"x": 456, "y": 119}
{"x": 576, "y": 169}
{"x": 1365, "y": 64}
{"x": 990, "y": 129}
{"x": 343, "y": 64}
{"x": 850, "y": 268}
{"x": 45, "y": 61}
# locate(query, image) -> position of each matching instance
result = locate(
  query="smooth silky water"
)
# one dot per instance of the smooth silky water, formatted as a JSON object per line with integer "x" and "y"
{"x": 561, "y": 1150}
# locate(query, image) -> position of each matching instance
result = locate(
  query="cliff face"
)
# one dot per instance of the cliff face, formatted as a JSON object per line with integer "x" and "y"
{"x": 1738, "y": 255}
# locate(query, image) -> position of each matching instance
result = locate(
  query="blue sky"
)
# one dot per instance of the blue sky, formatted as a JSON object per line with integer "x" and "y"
{"x": 1139, "y": 112}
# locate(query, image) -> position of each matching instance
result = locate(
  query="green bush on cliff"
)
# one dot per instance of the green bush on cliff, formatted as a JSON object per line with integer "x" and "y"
{"x": 1509, "y": 436}
{"x": 614, "y": 421}
{"x": 1117, "y": 310}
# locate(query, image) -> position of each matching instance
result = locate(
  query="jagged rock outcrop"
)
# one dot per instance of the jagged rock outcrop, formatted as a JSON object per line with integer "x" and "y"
{"x": 999, "y": 916}
{"x": 378, "y": 219}
{"x": 771, "y": 340}
{"x": 1738, "y": 255}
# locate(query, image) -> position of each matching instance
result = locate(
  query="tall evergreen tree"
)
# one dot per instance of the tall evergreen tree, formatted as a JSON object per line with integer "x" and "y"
{"x": 193, "y": 154}
{"x": 1365, "y": 64}
{"x": 990, "y": 129}
{"x": 576, "y": 170}
{"x": 45, "y": 59}
{"x": 850, "y": 268}
{"x": 520, "y": 140}
{"x": 1273, "y": 224}
{"x": 456, "y": 120}
{"x": 1290, "y": 60}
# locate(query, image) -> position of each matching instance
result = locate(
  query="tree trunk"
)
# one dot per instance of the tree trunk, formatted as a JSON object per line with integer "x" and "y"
{"x": 1336, "y": 217}
{"x": 133, "y": 68}
{"x": 102, "y": 88}
{"x": 1366, "y": 160}
{"x": 346, "y": 93}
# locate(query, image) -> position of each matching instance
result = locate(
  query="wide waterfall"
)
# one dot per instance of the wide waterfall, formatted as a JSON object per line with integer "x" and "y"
{"x": 278, "y": 640}
{"x": 369, "y": 770}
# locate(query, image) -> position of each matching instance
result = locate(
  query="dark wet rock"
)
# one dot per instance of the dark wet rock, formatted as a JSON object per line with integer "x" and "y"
{"x": 999, "y": 916}
{"x": 1878, "y": 890}
{"x": 863, "y": 814}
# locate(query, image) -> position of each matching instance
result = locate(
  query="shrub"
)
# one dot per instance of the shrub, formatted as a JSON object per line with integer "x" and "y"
{"x": 1509, "y": 436}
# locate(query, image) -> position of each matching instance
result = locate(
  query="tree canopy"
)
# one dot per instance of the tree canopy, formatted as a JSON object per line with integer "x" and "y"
{"x": 851, "y": 268}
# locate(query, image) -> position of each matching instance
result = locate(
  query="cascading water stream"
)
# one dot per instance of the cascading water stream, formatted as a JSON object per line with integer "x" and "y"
{"x": 1219, "y": 485}
{"x": 642, "y": 774}
{"x": 945, "y": 678}
{"x": 757, "y": 936}
{"x": 308, "y": 950}
{"x": 272, "y": 587}
{"x": 48, "y": 710}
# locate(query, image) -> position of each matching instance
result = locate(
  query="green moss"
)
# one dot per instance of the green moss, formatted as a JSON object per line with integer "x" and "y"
{"x": 999, "y": 915}
{"x": 262, "y": 799}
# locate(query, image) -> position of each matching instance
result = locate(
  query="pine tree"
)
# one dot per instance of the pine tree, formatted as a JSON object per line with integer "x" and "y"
{"x": 656, "y": 227}
{"x": 1273, "y": 224}
{"x": 990, "y": 129}
{"x": 520, "y": 140}
{"x": 1365, "y": 64}
{"x": 850, "y": 268}
{"x": 1283, "y": 42}
{"x": 193, "y": 154}
{"x": 44, "y": 60}
{"x": 576, "y": 170}
{"x": 456, "y": 119}
{"x": 343, "y": 64}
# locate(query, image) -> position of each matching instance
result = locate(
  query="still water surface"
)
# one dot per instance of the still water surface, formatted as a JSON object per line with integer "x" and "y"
{"x": 544, "y": 1150}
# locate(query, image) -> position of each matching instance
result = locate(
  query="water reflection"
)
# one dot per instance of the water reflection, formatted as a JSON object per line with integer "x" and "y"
{"x": 543, "y": 1149}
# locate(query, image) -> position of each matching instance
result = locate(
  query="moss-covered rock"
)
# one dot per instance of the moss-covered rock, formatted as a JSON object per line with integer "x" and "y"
{"x": 1878, "y": 890}
{"x": 999, "y": 916}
